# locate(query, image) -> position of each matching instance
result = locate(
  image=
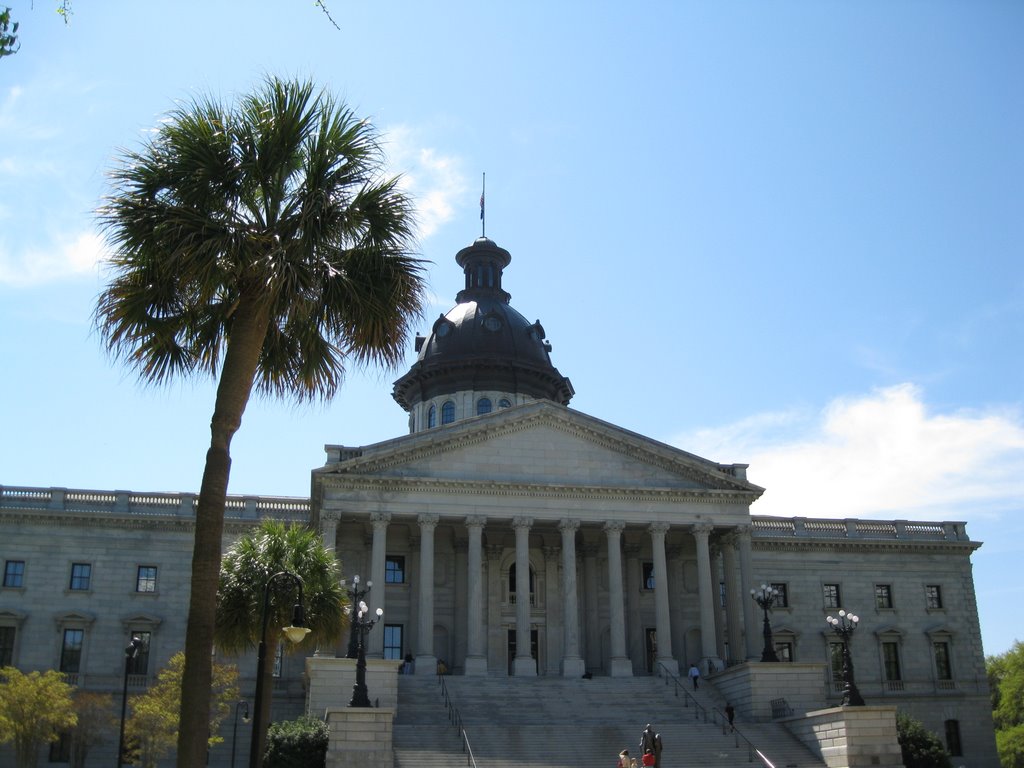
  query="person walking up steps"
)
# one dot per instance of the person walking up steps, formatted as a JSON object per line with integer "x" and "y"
{"x": 694, "y": 674}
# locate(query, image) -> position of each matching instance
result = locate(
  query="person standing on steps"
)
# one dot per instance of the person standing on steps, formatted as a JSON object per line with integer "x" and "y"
{"x": 694, "y": 674}
{"x": 649, "y": 740}
{"x": 730, "y": 713}
{"x": 648, "y": 759}
{"x": 624, "y": 761}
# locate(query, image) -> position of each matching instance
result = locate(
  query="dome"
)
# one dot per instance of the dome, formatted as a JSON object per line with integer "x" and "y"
{"x": 482, "y": 344}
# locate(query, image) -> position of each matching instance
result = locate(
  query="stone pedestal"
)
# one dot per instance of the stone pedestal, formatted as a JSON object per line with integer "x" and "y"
{"x": 574, "y": 667}
{"x": 330, "y": 681}
{"x": 475, "y": 666}
{"x": 851, "y": 737}
{"x": 360, "y": 736}
{"x": 750, "y": 687}
{"x": 621, "y": 667}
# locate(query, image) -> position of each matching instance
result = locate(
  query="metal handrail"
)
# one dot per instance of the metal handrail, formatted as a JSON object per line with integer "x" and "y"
{"x": 716, "y": 717}
{"x": 455, "y": 718}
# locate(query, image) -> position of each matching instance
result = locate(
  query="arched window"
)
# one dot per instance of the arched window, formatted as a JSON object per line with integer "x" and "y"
{"x": 448, "y": 412}
{"x": 512, "y": 585}
{"x": 483, "y": 405}
{"x": 432, "y": 417}
{"x": 504, "y": 403}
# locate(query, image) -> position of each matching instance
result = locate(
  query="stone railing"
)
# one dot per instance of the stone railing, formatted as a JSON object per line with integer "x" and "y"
{"x": 131, "y": 504}
{"x": 821, "y": 528}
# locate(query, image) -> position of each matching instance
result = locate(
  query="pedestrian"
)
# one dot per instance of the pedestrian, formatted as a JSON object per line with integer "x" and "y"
{"x": 624, "y": 761}
{"x": 694, "y": 674}
{"x": 730, "y": 713}
{"x": 648, "y": 759}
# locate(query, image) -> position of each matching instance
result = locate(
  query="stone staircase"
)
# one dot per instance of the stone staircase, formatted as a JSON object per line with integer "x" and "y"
{"x": 550, "y": 722}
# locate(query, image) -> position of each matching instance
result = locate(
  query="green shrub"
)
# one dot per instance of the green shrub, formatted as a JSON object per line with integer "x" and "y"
{"x": 300, "y": 743}
{"x": 921, "y": 748}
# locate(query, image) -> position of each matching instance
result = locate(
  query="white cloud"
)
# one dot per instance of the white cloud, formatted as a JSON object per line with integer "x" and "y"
{"x": 66, "y": 257}
{"x": 882, "y": 454}
{"x": 435, "y": 181}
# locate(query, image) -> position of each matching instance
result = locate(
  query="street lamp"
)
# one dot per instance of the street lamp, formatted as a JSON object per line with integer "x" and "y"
{"x": 129, "y": 655}
{"x": 844, "y": 627}
{"x": 766, "y": 597}
{"x": 355, "y": 597}
{"x": 359, "y": 618}
{"x": 244, "y": 706}
{"x": 295, "y": 633}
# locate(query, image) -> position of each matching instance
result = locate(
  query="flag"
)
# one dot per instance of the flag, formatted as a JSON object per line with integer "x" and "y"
{"x": 481, "y": 206}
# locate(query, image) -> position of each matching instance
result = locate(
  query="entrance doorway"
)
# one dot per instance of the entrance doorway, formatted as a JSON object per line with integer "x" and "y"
{"x": 512, "y": 648}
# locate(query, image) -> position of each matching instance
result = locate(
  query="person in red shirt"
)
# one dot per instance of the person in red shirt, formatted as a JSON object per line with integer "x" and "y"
{"x": 648, "y": 758}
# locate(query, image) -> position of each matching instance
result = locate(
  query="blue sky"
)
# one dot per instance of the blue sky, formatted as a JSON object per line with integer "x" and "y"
{"x": 786, "y": 234}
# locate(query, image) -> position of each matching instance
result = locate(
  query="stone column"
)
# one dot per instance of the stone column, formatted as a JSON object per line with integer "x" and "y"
{"x": 329, "y": 528}
{"x": 733, "y": 600}
{"x": 662, "y": 614}
{"x": 619, "y": 662}
{"x": 716, "y": 586}
{"x": 572, "y": 662}
{"x": 496, "y": 632}
{"x": 636, "y": 647}
{"x": 552, "y": 637}
{"x": 426, "y": 662}
{"x": 701, "y": 532}
{"x": 378, "y": 550}
{"x": 523, "y": 664}
{"x": 591, "y": 628}
{"x": 476, "y": 659}
{"x": 677, "y": 600}
{"x": 746, "y": 584}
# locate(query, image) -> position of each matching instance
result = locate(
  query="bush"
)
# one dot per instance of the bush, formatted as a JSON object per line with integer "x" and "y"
{"x": 921, "y": 748}
{"x": 300, "y": 743}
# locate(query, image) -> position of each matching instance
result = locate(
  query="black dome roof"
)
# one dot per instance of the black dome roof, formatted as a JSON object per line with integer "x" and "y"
{"x": 483, "y": 343}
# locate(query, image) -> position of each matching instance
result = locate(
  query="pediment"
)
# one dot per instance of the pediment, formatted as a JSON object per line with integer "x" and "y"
{"x": 538, "y": 444}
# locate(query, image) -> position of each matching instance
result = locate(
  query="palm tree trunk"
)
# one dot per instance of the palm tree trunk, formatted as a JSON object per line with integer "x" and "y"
{"x": 248, "y": 331}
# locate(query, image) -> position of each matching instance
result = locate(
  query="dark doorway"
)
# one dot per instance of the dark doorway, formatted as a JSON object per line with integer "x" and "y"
{"x": 651, "y": 644}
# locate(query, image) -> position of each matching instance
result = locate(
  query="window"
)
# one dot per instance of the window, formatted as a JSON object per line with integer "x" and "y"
{"x": 71, "y": 650}
{"x": 140, "y": 664}
{"x": 483, "y": 405}
{"x": 394, "y": 569}
{"x": 448, "y": 412}
{"x": 392, "y": 641}
{"x": 647, "y": 576}
{"x": 512, "y": 585}
{"x": 883, "y": 596}
{"x": 81, "y": 576}
{"x": 784, "y": 651}
{"x": 943, "y": 665}
{"x": 891, "y": 661}
{"x": 782, "y": 599}
{"x": 504, "y": 403}
{"x": 14, "y": 573}
{"x": 146, "y": 579}
{"x": 830, "y": 595}
{"x": 7, "y": 635}
{"x": 953, "y": 745}
{"x": 278, "y": 660}
{"x": 933, "y": 596}
{"x": 432, "y": 417}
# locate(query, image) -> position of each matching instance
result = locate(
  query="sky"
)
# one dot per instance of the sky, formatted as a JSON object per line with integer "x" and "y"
{"x": 785, "y": 234}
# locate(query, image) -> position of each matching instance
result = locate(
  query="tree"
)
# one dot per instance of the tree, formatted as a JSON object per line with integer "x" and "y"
{"x": 34, "y": 710}
{"x": 152, "y": 730}
{"x": 259, "y": 244}
{"x": 8, "y": 34}
{"x": 244, "y": 574}
{"x": 920, "y": 747}
{"x": 96, "y": 721}
{"x": 299, "y": 743}
{"x": 1006, "y": 684}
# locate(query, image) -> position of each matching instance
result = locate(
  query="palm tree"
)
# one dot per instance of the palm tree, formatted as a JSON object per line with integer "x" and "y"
{"x": 255, "y": 242}
{"x": 247, "y": 567}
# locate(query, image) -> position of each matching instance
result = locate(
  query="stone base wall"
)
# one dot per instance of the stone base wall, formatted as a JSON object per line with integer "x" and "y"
{"x": 330, "y": 681}
{"x": 752, "y": 686}
{"x": 851, "y": 737}
{"x": 359, "y": 737}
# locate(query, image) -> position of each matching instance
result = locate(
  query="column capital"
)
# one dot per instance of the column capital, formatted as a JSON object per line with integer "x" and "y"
{"x": 330, "y": 515}
{"x": 658, "y": 528}
{"x": 428, "y": 521}
{"x": 743, "y": 531}
{"x": 380, "y": 518}
{"x": 476, "y": 521}
{"x": 522, "y": 522}
{"x": 614, "y": 527}
{"x": 702, "y": 530}
{"x": 568, "y": 525}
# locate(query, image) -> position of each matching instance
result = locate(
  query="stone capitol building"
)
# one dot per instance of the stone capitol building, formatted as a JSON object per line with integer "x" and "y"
{"x": 511, "y": 536}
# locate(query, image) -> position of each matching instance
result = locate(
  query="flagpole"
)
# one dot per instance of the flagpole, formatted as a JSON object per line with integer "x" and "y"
{"x": 483, "y": 219}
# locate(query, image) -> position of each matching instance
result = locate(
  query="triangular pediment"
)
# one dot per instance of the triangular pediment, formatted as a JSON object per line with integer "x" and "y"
{"x": 538, "y": 444}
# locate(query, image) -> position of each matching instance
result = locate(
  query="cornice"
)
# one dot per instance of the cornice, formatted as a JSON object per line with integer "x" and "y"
{"x": 819, "y": 543}
{"x": 444, "y": 486}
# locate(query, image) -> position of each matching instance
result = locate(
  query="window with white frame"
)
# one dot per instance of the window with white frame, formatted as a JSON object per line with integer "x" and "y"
{"x": 81, "y": 577}
{"x": 14, "y": 574}
{"x": 933, "y": 596}
{"x": 830, "y": 596}
{"x": 145, "y": 578}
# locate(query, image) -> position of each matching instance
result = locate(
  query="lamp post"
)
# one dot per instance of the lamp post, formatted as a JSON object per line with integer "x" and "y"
{"x": 766, "y": 597}
{"x": 844, "y": 627}
{"x": 359, "y": 618}
{"x": 295, "y": 633}
{"x": 244, "y": 706}
{"x": 129, "y": 655}
{"x": 355, "y": 597}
